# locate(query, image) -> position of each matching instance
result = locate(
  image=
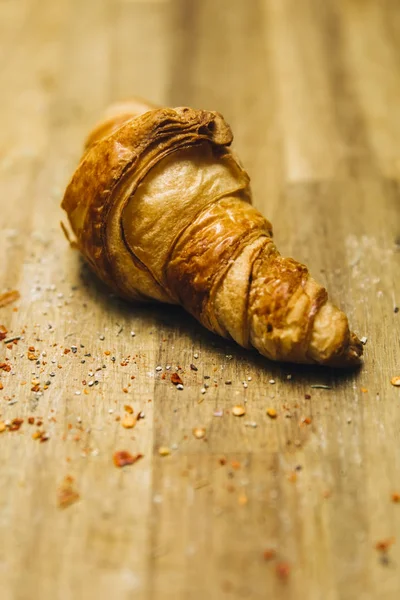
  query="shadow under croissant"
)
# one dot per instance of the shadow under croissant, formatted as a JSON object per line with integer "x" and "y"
{"x": 175, "y": 320}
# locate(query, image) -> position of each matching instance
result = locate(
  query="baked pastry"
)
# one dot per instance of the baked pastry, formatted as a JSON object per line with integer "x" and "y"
{"x": 161, "y": 209}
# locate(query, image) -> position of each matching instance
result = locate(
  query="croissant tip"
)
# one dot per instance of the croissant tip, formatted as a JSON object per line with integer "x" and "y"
{"x": 351, "y": 355}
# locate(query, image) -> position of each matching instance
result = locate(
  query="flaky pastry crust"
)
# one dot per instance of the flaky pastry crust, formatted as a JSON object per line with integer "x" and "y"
{"x": 161, "y": 209}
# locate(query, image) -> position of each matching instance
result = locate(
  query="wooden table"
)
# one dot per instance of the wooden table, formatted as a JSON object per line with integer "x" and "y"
{"x": 291, "y": 508}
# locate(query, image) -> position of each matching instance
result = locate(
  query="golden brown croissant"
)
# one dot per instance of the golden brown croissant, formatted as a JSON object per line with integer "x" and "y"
{"x": 162, "y": 211}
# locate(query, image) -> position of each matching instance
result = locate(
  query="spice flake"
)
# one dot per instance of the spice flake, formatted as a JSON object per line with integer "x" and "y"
{"x": 67, "y": 494}
{"x": 123, "y": 458}
{"x": 9, "y": 297}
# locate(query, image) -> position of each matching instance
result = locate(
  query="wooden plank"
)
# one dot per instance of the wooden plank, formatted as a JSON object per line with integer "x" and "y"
{"x": 310, "y": 91}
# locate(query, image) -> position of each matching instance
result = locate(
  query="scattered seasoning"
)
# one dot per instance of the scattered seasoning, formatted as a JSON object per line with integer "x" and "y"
{"x": 364, "y": 340}
{"x": 269, "y": 554}
{"x": 282, "y": 570}
{"x": 218, "y": 413}
{"x": 193, "y": 367}
{"x": 3, "y": 426}
{"x": 128, "y": 408}
{"x": 122, "y": 458}
{"x": 9, "y": 297}
{"x": 203, "y": 390}
{"x": 395, "y": 381}
{"x": 3, "y": 332}
{"x": 320, "y": 386}
{"x": 271, "y": 412}
{"x": 133, "y": 334}
{"x": 196, "y": 355}
{"x": 179, "y": 386}
{"x": 67, "y": 493}
{"x": 15, "y": 424}
{"x": 199, "y": 433}
{"x": 129, "y": 421}
{"x": 1, "y": 386}
{"x": 164, "y": 451}
{"x": 159, "y": 368}
{"x": 175, "y": 379}
{"x": 42, "y": 436}
{"x": 12, "y": 340}
{"x": 238, "y": 410}
{"x": 5, "y": 367}
{"x": 396, "y": 310}
{"x": 384, "y": 545}
{"x": 252, "y": 424}
{"x": 272, "y": 381}
{"x": 242, "y": 500}
{"x": 307, "y": 420}
{"x": 307, "y": 396}
{"x": 396, "y": 497}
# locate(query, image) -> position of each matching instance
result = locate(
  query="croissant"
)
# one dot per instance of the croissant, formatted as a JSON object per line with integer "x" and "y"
{"x": 161, "y": 209}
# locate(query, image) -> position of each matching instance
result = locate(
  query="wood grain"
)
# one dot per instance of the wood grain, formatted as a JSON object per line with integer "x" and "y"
{"x": 311, "y": 91}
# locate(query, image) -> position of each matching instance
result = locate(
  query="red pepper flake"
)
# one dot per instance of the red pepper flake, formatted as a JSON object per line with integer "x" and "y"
{"x": 163, "y": 376}
{"x": 1, "y": 386}
{"x": 235, "y": 464}
{"x": 9, "y": 297}
{"x": 396, "y": 497}
{"x": 67, "y": 493}
{"x": 122, "y": 458}
{"x": 307, "y": 420}
{"x": 125, "y": 390}
{"x": 282, "y": 569}
{"x": 175, "y": 379}
{"x": 5, "y": 367}
{"x": 3, "y": 333}
{"x": 269, "y": 554}
{"x": 15, "y": 424}
{"x": 31, "y": 420}
{"x": 307, "y": 396}
{"x": 384, "y": 545}
{"x": 35, "y": 388}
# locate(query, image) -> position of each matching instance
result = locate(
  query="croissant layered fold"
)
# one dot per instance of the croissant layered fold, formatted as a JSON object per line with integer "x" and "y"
{"x": 161, "y": 209}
